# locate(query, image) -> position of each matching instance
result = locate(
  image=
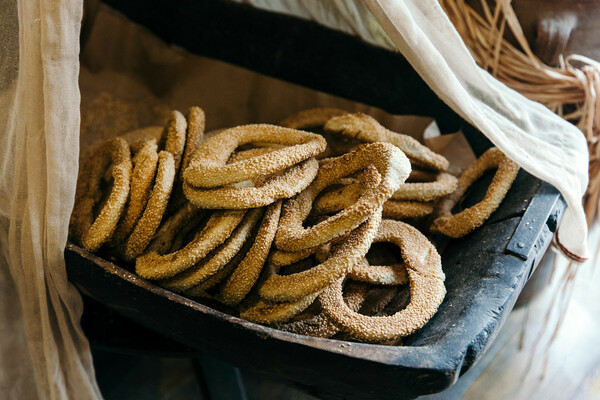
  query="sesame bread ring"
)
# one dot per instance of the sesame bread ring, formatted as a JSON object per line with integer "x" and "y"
{"x": 342, "y": 257}
{"x": 265, "y": 312}
{"x": 344, "y": 197}
{"x": 391, "y": 164}
{"x": 250, "y": 153}
{"x": 147, "y": 225}
{"x": 292, "y": 181}
{"x": 218, "y": 259}
{"x": 194, "y": 136}
{"x": 245, "y": 276}
{"x": 145, "y": 162}
{"x": 400, "y": 210}
{"x": 387, "y": 275}
{"x": 427, "y": 291}
{"x": 366, "y": 128}
{"x": 378, "y": 299}
{"x": 311, "y": 118}
{"x": 187, "y": 215}
{"x": 443, "y": 185}
{"x": 320, "y": 325}
{"x": 174, "y": 137}
{"x": 280, "y": 258}
{"x": 220, "y": 276}
{"x": 473, "y": 217}
{"x": 341, "y": 198}
{"x": 208, "y": 167}
{"x": 89, "y": 232}
{"x": 218, "y": 228}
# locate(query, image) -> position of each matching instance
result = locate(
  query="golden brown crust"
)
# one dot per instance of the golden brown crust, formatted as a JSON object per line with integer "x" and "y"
{"x": 320, "y": 325}
{"x": 467, "y": 220}
{"x": 443, "y": 185}
{"x": 218, "y": 259}
{"x": 343, "y": 197}
{"x": 388, "y": 275}
{"x": 311, "y": 118}
{"x": 265, "y": 312}
{"x": 391, "y": 164}
{"x": 280, "y": 258}
{"x": 93, "y": 233}
{"x": 196, "y": 122}
{"x": 401, "y": 210}
{"x": 174, "y": 137}
{"x": 363, "y": 127}
{"x": 187, "y": 215}
{"x": 220, "y": 276}
{"x": 139, "y": 137}
{"x": 292, "y": 181}
{"x": 245, "y": 276}
{"x": 208, "y": 167}
{"x": 427, "y": 291}
{"x": 145, "y": 163}
{"x": 218, "y": 228}
{"x": 149, "y": 222}
{"x": 341, "y": 258}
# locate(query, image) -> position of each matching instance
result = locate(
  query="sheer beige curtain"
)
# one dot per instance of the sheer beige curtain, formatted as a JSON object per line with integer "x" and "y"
{"x": 530, "y": 134}
{"x": 43, "y": 353}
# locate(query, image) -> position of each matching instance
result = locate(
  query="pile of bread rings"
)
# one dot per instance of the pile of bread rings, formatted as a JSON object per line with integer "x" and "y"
{"x": 282, "y": 225}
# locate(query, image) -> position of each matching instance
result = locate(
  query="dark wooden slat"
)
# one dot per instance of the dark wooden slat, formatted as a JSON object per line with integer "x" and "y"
{"x": 537, "y": 215}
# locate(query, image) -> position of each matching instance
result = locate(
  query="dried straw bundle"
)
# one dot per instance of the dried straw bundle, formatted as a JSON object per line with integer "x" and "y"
{"x": 572, "y": 90}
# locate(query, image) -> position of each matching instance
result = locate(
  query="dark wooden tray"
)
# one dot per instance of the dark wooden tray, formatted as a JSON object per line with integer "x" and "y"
{"x": 485, "y": 271}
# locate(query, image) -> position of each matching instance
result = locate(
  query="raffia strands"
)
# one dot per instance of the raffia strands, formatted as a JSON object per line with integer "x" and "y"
{"x": 572, "y": 86}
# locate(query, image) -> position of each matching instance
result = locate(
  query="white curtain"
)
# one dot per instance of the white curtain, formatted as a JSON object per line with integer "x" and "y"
{"x": 43, "y": 352}
{"x": 538, "y": 140}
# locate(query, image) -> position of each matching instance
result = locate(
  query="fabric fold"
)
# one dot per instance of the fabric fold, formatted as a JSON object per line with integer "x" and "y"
{"x": 538, "y": 140}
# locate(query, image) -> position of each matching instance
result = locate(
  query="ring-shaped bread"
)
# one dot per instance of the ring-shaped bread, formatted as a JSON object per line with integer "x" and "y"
{"x": 387, "y": 275}
{"x": 265, "y": 312}
{"x": 245, "y": 276}
{"x": 291, "y": 182}
{"x": 335, "y": 200}
{"x": 443, "y": 185}
{"x": 280, "y": 258}
{"x": 467, "y": 220}
{"x": 366, "y": 128}
{"x": 311, "y": 118}
{"x": 154, "y": 211}
{"x": 320, "y": 325}
{"x": 391, "y": 164}
{"x": 342, "y": 257}
{"x": 400, "y": 210}
{"x": 145, "y": 162}
{"x": 427, "y": 291}
{"x": 187, "y": 215}
{"x": 201, "y": 289}
{"x": 218, "y": 228}
{"x": 89, "y": 232}
{"x": 208, "y": 167}
{"x": 218, "y": 259}
{"x": 196, "y": 122}
{"x": 174, "y": 137}
{"x": 338, "y": 199}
